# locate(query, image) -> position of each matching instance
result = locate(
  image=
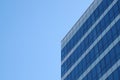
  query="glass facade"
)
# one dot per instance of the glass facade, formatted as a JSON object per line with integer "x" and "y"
{"x": 93, "y": 52}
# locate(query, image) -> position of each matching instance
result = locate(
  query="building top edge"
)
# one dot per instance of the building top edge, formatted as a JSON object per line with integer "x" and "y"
{"x": 79, "y": 23}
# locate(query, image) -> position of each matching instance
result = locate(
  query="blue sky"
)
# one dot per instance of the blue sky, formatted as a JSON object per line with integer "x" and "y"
{"x": 30, "y": 36}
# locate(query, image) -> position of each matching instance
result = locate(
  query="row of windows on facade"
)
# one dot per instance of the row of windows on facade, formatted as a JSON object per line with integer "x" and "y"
{"x": 107, "y": 62}
{"x": 93, "y": 54}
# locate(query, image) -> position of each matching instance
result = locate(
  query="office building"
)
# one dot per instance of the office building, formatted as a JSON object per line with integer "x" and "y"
{"x": 91, "y": 49}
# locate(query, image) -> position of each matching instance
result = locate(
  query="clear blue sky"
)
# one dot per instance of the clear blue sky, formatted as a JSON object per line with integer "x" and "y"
{"x": 30, "y": 36}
